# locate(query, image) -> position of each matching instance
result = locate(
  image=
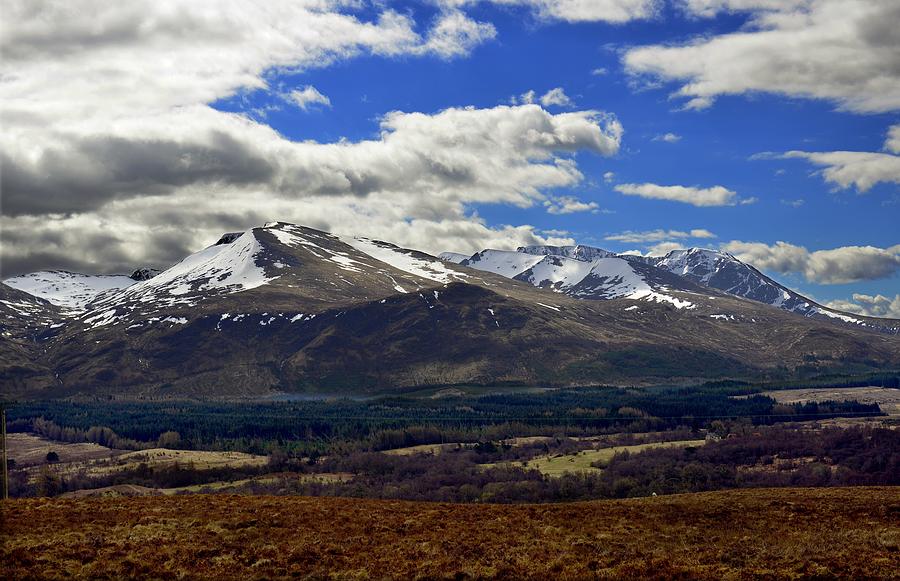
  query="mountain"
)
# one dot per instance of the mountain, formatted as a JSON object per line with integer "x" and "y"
{"x": 285, "y": 308}
{"x": 722, "y": 271}
{"x": 593, "y": 273}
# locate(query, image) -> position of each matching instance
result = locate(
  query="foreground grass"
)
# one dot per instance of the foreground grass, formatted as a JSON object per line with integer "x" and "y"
{"x": 769, "y": 533}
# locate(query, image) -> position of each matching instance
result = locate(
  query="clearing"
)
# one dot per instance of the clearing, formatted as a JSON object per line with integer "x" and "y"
{"x": 558, "y": 464}
{"x": 31, "y": 450}
{"x": 888, "y": 398}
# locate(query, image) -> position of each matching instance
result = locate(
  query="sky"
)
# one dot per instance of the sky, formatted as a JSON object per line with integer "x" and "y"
{"x": 137, "y": 132}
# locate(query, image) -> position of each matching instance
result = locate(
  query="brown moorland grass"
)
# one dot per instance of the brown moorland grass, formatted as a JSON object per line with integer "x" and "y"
{"x": 739, "y": 534}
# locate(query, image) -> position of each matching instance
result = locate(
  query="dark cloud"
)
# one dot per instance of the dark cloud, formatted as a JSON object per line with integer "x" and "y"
{"x": 94, "y": 171}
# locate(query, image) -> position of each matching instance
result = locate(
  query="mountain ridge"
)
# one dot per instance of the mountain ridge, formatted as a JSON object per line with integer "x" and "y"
{"x": 285, "y": 308}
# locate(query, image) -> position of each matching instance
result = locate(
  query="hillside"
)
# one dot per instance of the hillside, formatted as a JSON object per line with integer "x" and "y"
{"x": 768, "y": 533}
{"x": 285, "y": 308}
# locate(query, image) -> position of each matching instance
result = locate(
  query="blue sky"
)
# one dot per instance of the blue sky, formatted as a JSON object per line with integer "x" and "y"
{"x": 163, "y": 138}
{"x": 715, "y": 146}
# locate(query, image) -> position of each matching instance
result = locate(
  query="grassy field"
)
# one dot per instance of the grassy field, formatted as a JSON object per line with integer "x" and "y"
{"x": 31, "y": 450}
{"x": 155, "y": 458}
{"x": 887, "y": 398}
{"x": 742, "y": 534}
{"x": 231, "y": 487}
{"x": 557, "y": 465}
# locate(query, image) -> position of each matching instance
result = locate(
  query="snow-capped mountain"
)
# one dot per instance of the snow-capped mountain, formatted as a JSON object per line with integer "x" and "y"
{"x": 288, "y": 308}
{"x": 593, "y": 273}
{"x": 721, "y": 270}
{"x": 584, "y": 272}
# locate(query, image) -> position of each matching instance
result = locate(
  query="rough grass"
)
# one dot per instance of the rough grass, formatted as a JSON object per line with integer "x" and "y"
{"x": 157, "y": 458}
{"x": 559, "y": 464}
{"x": 744, "y": 534}
{"x": 31, "y": 450}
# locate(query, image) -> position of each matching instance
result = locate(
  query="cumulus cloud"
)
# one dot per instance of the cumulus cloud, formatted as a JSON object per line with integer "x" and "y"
{"x": 113, "y": 158}
{"x": 455, "y": 34}
{"x": 844, "y": 51}
{"x": 870, "y": 306}
{"x": 714, "y": 196}
{"x": 616, "y": 11}
{"x": 569, "y": 205}
{"x": 556, "y": 97}
{"x": 834, "y": 266}
{"x": 553, "y": 97}
{"x": 631, "y": 236}
{"x": 668, "y": 138}
{"x": 308, "y": 97}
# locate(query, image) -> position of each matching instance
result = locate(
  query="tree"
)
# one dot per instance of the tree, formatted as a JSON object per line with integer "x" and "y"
{"x": 169, "y": 439}
{"x": 52, "y": 457}
{"x": 48, "y": 483}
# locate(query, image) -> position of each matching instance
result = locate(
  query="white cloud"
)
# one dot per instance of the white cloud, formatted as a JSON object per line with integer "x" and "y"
{"x": 834, "y": 266}
{"x": 668, "y": 138}
{"x": 112, "y": 156}
{"x": 793, "y": 203}
{"x": 569, "y": 205}
{"x": 455, "y": 34}
{"x": 308, "y": 97}
{"x": 854, "y": 168}
{"x": 616, "y": 11}
{"x": 861, "y": 169}
{"x": 599, "y": 71}
{"x": 552, "y": 97}
{"x": 714, "y": 196}
{"x": 633, "y": 237}
{"x": 556, "y": 97}
{"x": 892, "y": 143}
{"x": 609, "y": 176}
{"x": 870, "y": 306}
{"x": 844, "y": 51}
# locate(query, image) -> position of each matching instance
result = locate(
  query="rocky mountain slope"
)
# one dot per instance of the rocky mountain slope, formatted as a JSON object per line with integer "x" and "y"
{"x": 285, "y": 308}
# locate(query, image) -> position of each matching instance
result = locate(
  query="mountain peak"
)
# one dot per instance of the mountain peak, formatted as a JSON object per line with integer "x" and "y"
{"x": 577, "y": 252}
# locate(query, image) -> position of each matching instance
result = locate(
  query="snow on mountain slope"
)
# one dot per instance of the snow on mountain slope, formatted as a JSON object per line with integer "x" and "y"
{"x": 722, "y": 271}
{"x": 556, "y": 272}
{"x": 68, "y": 289}
{"x": 616, "y": 277}
{"x": 578, "y": 252}
{"x": 454, "y": 257}
{"x": 579, "y": 271}
{"x": 409, "y": 261}
{"x": 219, "y": 269}
{"x": 503, "y": 262}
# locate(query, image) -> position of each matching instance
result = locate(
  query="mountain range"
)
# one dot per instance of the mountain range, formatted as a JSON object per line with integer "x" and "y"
{"x": 290, "y": 309}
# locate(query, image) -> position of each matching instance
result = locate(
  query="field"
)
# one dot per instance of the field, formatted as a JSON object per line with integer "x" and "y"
{"x": 31, "y": 450}
{"x": 559, "y": 464}
{"x": 155, "y": 458}
{"x": 774, "y": 534}
{"x": 887, "y": 398}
